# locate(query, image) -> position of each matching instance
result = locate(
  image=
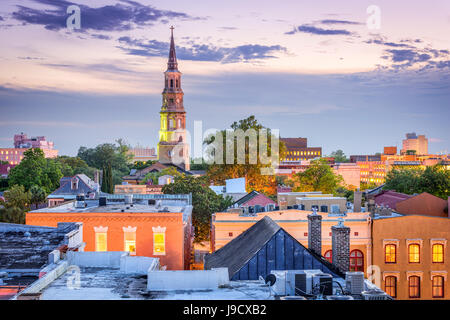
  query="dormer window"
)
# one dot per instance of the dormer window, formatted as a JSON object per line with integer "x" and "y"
{"x": 75, "y": 183}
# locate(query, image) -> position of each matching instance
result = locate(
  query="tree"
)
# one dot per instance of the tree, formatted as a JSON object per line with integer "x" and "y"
{"x": 205, "y": 202}
{"x": 71, "y": 166}
{"x": 17, "y": 197}
{"x": 434, "y": 180}
{"x": 37, "y": 196}
{"x": 251, "y": 170}
{"x": 317, "y": 177}
{"x": 107, "y": 180}
{"x": 154, "y": 176}
{"x": 34, "y": 169}
{"x": 339, "y": 156}
{"x": 108, "y": 154}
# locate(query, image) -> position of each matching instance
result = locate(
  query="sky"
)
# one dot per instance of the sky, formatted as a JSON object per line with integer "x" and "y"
{"x": 345, "y": 74}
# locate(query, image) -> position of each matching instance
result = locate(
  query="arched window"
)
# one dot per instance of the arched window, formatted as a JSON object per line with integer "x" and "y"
{"x": 414, "y": 287}
{"x": 414, "y": 253}
{"x": 356, "y": 261}
{"x": 390, "y": 253}
{"x": 438, "y": 287}
{"x": 177, "y": 84}
{"x": 390, "y": 286}
{"x": 438, "y": 253}
{"x": 329, "y": 256}
{"x": 171, "y": 83}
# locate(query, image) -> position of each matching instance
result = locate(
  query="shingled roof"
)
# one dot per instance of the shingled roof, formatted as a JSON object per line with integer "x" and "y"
{"x": 237, "y": 253}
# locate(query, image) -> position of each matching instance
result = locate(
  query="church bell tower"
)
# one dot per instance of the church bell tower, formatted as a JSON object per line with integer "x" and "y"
{"x": 172, "y": 146}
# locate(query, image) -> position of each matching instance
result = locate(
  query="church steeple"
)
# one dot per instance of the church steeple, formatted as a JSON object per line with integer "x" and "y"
{"x": 172, "y": 65}
{"x": 173, "y": 147}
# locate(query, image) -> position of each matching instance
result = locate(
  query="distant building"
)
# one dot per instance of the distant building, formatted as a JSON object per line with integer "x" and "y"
{"x": 137, "y": 176}
{"x": 71, "y": 187}
{"x": 143, "y": 154}
{"x": 297, "y": 150}
{"x": 149, "y": 225}
{"x": 391, "y": 151}
{"x": 423, "y": 204}
{"x": 417, "y": 144}
{"x": 310, "y": 200}
{"x": 365, "y": 158}
{"x": 234, "y": 188}
{"x": 254, "y": 199}
{"x": 137, "y": 189}
{"x": 350, "y": 172}
{"x": 5, "y": 169}
{"x": 22, "y": 143}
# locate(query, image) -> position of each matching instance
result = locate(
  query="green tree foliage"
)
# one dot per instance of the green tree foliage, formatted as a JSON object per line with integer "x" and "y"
{"x": 434, "y": 180}
{"x": 154, "y": 176}
{"x": 339, "y": 156}
{"x": 107, "y": 180}
{"x": 317, "y": 177}
{"x": 218, "y": 173}
{"x": 199, "y": 166}
{"x": 34, "y": 169}
{"x": 17, "y": 202}
{"x": 71, "y": 166}
{"x": 106, "y": 154}
{"x": 205, "y": 202}
{"x": 37, "y": 196}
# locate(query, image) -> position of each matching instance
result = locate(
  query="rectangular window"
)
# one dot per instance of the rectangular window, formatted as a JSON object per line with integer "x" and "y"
{"x": 414, "y": 287}
{"x": 438, "y": 287}
{"x": 159, "y": 243}
{"x": 414, "y": 253}
{"x": 101, "y": 241}
{"x": 390, "y": 253}
{"x": 390, "y": 286}
{"x": 130, "y": 242}
{"x": 438, "y": 253}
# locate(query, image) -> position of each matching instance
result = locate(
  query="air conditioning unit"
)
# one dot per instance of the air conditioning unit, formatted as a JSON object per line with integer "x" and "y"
{"x": 354, "y": 282}
{"x": 293, "y": 282}
{"x": 279, "y": 287}
{"x": 375, "y": 295}
{"x": 323, "y": 284}
{"x": 339, "y": 298}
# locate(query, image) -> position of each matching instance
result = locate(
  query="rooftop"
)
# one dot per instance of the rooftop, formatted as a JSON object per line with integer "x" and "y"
{"x": 112, "y": 284}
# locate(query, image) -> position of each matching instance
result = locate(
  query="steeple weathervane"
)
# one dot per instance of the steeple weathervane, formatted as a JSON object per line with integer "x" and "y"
{"x": 172, "y": 64}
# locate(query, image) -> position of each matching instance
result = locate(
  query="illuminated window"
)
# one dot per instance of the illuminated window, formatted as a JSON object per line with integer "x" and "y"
{"x": 159, "y": 240}
{"x": 130, "y": 239}
{"x": 356, "y": 261}
{"x": 438, "y": 287}
{"x": 414, "y": 253}
{"x": 414, "y": 287}
{"x": 438, "y": 253}
{"x": 329, "y": 256}
{"x": 390, "y": 253}
{"x": 101, "y": 238}
{"x": 390, "y": 286}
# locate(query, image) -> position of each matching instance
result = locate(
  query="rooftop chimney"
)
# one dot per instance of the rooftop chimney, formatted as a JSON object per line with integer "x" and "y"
{"x": 340, "y": 243}
{"x": 357, "y": 198}
{"x": 315, "y": 232}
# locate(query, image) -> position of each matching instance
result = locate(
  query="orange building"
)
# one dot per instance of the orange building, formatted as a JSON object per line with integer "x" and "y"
{"x": 142, "y": 226}
{"x": 413, "y": 256}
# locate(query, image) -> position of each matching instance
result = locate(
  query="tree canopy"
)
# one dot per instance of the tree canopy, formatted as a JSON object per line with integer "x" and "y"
{"x": 17, "y": 202}
{"x": 35, "y": 169}
{"x": 339, "y": 156}
{"x": 317, "y": 177}
{"x": 205, "y": 202}
{"x": 248, "y": 163}
{"x": 434, "y": 180}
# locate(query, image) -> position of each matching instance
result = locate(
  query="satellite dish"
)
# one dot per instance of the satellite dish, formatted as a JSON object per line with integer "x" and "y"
{"x": 271, "y": 279}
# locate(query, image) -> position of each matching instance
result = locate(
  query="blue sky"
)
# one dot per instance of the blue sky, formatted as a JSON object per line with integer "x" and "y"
{"x": 311, "y": 70}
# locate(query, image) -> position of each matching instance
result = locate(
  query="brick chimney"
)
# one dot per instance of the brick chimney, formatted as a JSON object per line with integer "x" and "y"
{"x": 357, "y": 199}
{"x": 315, "y": 232}
{"x": 340, "y": 243}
